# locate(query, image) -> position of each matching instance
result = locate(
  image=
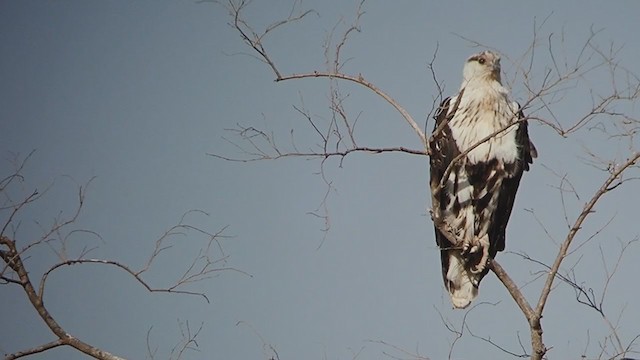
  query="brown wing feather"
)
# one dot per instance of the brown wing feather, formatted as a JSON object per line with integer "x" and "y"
{"x": 509, "y": 188}
{"x": 443, "y": 149}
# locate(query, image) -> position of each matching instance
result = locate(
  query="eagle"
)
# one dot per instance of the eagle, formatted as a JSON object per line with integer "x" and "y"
{"x": 479, "y": 149}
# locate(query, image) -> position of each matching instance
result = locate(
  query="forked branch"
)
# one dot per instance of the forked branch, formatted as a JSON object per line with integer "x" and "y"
{"x": 255, "y": 40}
{"x": 615, "y": 175}
{"x": 14, "y": 270}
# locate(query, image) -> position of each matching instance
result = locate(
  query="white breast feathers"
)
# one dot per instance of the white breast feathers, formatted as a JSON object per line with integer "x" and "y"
{"x": 485, "y": 109}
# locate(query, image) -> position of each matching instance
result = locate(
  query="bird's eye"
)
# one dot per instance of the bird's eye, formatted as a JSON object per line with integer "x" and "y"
{"x": 481, "y": 61}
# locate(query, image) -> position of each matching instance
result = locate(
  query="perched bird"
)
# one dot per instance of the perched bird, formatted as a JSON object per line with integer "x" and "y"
{"x": 478, "y": 151}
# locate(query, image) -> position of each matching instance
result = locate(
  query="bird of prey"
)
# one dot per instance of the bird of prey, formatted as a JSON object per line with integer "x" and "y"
{"x": 479, "y": 150}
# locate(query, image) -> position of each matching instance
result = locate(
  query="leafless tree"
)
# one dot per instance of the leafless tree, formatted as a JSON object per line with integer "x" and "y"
{"x": 16, "y": 268}
{"x": 546, "y": 76}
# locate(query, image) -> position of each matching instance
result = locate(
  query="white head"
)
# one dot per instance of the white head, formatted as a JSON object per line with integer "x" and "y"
{"x": 484, "y": 66}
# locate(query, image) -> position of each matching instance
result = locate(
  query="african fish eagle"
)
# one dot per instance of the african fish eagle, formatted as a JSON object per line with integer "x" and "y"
{"x": 479, "y": 149}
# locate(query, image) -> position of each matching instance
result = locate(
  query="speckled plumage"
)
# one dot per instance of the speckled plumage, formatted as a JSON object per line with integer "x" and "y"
{"x": 476, "y": 198}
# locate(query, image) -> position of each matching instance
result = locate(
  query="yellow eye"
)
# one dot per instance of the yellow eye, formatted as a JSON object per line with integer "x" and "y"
{"x": 481, "y": 61}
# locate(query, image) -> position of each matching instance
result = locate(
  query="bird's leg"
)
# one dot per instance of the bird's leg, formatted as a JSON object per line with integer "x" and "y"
{"x": 482, "y": 244}
{"x": 470, "y": 246}
{"x": 466, "y": 247}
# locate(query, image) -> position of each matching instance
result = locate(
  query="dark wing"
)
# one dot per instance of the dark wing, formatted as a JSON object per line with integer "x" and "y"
{"x": 443, "y": 150}
{"x": 526, "y": 153}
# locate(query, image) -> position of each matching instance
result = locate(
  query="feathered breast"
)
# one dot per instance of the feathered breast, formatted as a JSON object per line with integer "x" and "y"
{"x": 484, "y": 111}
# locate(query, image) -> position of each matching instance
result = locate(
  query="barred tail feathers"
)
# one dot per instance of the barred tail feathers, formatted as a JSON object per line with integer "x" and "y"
{"x": 461, "y": 283}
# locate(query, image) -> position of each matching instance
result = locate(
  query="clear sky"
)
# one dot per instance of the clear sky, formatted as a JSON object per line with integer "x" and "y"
{"x": 135, "y": 94}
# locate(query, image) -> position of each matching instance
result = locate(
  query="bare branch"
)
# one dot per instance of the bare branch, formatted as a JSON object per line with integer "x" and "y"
{"x": 513, "y": 289}
{"x": 539, "y": 349}
{"x": 400, "y": 350}
{"x": 14, "y": 270}
{"x": 326, "y": 155}
{"x": 38, "y": 304}
{"x": 35, "y": 350}
{"x": 337, "y": 66}
{"x": 269, "y": 351}
{"x": 362, "y": 81}
{"x": 587, "y": 296}
{"x": 254, "y": 39}
{"x": 588, "y": 207}
{"x": 500, "y": 347}
{"x": 188, "y": 341}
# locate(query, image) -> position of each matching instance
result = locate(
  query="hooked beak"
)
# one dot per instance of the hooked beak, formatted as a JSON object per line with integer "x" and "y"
{"x": 496, "y": 65}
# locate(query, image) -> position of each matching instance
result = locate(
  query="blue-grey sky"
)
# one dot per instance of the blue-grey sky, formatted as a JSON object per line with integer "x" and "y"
{"x": 134, "y": 94}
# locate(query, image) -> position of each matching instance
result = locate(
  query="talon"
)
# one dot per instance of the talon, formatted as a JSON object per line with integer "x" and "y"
{"x": 465, "y": 248}
{"x": 482, "y": 264}
{"x": 477, "y": 269}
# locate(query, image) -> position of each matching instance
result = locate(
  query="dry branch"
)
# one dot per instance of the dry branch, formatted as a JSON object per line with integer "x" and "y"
{"x": 14, "y": 270}
{"x": 255, "y": 40}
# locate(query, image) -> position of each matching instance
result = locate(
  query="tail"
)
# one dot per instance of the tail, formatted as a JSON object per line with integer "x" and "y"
{"x": 461, "y": 283}
{"x": 461, "y": 271}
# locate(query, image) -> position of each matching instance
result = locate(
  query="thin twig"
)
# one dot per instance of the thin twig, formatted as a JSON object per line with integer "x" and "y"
{"x": 362, "y": 81}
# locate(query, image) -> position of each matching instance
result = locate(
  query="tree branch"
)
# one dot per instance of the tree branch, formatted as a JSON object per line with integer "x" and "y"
{"x": 255, "y": 40}
{"x": 326, "y": 155}
{"x": 39, "y": 306}
{"x": 513, "y": 289}
{"x": 14, "y": 270}
{"x": 587, "y": 209}
{"x": 35, "y": 350}
{"x": 362, "y": 81}
{"x": 539, "y": 350}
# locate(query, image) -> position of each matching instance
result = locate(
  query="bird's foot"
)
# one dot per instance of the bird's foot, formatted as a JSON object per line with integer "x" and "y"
{"x": 474, "y": 246}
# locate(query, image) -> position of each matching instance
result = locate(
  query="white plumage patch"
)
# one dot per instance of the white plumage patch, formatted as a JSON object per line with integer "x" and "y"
{"x": 485, "y": 109}
{"x": 464, "y": 291}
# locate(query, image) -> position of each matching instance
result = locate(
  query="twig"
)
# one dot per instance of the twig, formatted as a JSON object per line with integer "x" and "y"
{"x": 513, "y": 289}
{"x": 326, "y": 155}
{"x": 362, "y": 81}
